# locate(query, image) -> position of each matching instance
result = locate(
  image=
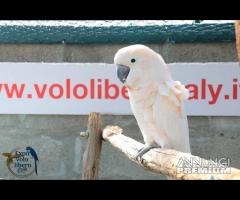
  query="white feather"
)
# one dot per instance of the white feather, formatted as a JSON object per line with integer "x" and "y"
{"x": 156, "y": 99}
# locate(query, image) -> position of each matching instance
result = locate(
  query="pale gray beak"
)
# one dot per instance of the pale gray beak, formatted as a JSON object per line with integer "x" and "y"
{"x": 122, "y": 72}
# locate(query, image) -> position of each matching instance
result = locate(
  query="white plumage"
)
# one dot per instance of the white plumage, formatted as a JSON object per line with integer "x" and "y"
{"x": 156, "y": 99}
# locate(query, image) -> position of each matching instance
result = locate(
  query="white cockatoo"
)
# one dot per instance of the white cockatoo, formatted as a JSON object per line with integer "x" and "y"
{"x": 156, "y": 99}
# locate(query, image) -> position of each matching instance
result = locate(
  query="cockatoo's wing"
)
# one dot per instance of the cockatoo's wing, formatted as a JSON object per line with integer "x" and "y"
{"x": 169, "y": 115}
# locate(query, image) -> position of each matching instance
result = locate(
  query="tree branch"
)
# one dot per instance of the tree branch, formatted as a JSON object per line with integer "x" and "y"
{"x": 163, "y": 161}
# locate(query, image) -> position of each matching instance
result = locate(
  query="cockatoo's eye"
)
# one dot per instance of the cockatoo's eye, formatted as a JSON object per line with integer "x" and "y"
{"x": 133, "y": 60}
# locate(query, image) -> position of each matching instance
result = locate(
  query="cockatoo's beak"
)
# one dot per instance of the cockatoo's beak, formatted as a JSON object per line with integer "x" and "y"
{"x": 122, "y": 72}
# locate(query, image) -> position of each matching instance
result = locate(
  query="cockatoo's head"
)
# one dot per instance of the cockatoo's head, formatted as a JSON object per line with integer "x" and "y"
{"x": 138, "y": 63}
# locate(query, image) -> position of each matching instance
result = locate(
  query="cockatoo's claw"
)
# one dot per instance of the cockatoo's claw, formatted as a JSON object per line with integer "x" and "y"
{"x": 144, "y": 150}
{"x": 140, "y": 154}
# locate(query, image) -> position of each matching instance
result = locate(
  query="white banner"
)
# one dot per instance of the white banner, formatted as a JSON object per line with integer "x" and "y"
{"x": 80, "y": 88}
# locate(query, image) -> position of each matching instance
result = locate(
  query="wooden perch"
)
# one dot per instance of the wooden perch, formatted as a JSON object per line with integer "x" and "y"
{"x": 91, "y": 156}
{"x": 163, "y": 161}
{"x": 237, "y": 31}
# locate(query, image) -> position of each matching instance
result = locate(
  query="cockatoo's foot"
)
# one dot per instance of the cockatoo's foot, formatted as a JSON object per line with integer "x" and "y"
{"x": 144, "y": 150}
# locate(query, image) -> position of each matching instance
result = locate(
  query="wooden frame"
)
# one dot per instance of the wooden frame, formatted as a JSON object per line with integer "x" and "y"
{"x": 162, "y": 161}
